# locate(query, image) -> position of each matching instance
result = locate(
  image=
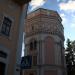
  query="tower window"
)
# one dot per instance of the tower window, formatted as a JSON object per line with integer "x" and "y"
{"x": 32, "y": 27}
{"x": 33, "y": 45}
{"x": 6, "y": 26}
{"x": 34, "y": 60}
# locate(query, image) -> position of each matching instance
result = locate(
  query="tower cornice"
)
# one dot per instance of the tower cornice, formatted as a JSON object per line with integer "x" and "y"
{"x": 42, "y": 11}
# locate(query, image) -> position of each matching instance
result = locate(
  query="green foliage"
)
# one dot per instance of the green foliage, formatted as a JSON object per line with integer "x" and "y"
{"x": 70, "y": 57}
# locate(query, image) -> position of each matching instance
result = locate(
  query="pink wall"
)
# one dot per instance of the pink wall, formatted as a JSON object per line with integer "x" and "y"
{"x": 49, "y": 50}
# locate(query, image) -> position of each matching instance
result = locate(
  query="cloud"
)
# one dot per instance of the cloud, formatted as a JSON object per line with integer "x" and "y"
{"x": 64, "y": 19}
{"x": 68, "y": 6}
{"x": 68, "y": 14}
{"x": 68, "y": 21}
{"x": 73, "y": 26}
{"x": 36, "y": 3}
{"x": 63, "y": 16}
{"x": 73, "y": 22}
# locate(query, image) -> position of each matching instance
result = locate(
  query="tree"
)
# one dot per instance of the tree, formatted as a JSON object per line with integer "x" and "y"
{"x": 69, "y": 54}
{"x": 73, "y": 48}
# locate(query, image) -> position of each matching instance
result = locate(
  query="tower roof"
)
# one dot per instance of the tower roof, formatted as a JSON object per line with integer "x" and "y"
{"x": 44, "y": 12}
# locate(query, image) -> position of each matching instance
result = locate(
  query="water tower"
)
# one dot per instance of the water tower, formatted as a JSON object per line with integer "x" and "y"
{"x": 44, "y": 41}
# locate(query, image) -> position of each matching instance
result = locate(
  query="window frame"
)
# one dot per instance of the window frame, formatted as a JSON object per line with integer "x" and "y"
{"x": 7, "y": 26}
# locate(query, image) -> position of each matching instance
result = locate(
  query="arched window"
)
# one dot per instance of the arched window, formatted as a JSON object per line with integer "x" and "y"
{"x": 33, "y": 45}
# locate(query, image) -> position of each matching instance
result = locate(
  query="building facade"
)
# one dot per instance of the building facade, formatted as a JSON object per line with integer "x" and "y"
{"x": 44, "y": 41}
{"x": 12, "y": 16}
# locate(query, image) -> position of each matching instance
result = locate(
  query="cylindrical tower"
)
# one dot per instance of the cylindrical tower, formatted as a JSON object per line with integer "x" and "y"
{"x": 44, "y": 41}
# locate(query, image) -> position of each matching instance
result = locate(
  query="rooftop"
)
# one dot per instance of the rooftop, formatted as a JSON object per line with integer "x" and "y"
{"x": 44, "y": 12}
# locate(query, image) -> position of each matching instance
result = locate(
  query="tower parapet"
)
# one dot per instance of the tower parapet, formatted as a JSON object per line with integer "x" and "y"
{"x": 48, "y": 21}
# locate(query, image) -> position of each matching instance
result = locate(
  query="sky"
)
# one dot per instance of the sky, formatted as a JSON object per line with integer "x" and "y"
{"x": 65, "y": 8}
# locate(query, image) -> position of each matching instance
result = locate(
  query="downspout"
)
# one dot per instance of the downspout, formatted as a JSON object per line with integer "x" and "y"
{"x": 20, "y": 40}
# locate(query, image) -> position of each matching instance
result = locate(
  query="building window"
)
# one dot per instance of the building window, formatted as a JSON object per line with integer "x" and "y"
{"x": 33, "y": 45}
{"x": 2, "y": 68}
{"x": 6, "y": 25}
{"x": 31, "y": 74}
{"x": 34, "y": 60}
{"x": 3, "y": 54}
{"x": 32, "y": 27}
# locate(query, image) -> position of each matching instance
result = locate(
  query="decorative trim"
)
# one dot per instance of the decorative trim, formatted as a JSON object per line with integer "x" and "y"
{"x": 45, "y": 32}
